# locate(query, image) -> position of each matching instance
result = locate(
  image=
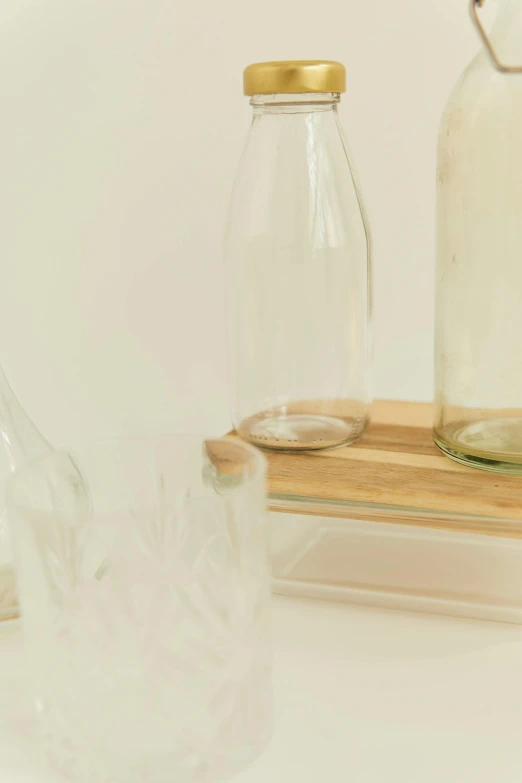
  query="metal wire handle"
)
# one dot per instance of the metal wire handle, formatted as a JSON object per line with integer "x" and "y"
{"x": 499, "y": 65}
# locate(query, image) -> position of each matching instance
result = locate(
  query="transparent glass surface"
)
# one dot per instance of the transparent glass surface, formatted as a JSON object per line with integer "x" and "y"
{"x": 297, "y": 254}
{"x": 478, "y": 355}
{"x": 144, "y": 584}
{"x": 20, "y": 440}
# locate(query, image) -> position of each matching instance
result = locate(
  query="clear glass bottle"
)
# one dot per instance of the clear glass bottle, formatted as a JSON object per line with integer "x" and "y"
{"x": 297, "y": 254}
{"x": 478, "y": 352}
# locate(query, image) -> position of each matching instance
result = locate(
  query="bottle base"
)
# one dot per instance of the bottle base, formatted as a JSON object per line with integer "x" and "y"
{"x": 299, "y": 431}
{"x": 491, "y": 444}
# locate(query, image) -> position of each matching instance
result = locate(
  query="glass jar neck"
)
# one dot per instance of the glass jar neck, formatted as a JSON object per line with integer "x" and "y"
{"x": 506, "y": 34}
{"x": 302, "y": 103}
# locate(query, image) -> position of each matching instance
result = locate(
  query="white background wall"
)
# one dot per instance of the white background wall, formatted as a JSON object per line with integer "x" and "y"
{"x": 121, "y": 124}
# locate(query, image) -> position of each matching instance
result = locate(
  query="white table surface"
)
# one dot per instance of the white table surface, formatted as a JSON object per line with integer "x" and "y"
{"x": 362, "y": 695}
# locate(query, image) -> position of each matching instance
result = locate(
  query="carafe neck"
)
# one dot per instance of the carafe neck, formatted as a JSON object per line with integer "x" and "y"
{"x": 20, "y": 438}
{"x": 506, "y": 34}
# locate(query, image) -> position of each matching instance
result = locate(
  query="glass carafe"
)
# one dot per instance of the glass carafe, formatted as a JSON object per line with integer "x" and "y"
{"x": 479, "y": 255}
{"x": 20, "y": 441}
{"x": 297, "y": 254}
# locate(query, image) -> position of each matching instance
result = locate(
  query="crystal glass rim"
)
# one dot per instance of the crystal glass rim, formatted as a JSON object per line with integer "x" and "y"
{"x": 259, "y": 462}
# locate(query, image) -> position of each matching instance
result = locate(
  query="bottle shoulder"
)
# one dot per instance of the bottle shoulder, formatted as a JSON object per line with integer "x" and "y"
{"x": 296, "y": 190}
{"x": 481, "y": 94}
{"x": 294, "y": 154}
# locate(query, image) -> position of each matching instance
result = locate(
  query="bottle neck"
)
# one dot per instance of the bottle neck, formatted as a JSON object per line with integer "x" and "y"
{"x": 19, "y": 437}
{"x": 506, "y": 34}
{"x": 302, "y": 103}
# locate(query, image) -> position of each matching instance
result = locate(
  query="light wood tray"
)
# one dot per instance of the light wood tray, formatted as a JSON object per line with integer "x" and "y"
{"x": 390, "y": 521}
{"x": 396, "y": 473}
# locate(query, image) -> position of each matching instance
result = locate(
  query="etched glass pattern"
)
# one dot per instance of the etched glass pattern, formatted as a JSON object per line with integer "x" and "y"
{"x": 144, "y": 583}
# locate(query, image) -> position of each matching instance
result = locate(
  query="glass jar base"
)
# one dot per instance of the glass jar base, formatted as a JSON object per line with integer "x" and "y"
{"x": 490, "y": 444}
{"x": 299, "y": 431}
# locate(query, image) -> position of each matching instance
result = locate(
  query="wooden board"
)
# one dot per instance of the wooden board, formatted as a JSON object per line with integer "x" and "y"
{"x": 396, "y": 473}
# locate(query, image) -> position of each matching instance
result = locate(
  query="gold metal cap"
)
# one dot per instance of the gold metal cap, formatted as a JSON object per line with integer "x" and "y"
{"x": 294, "y": 76}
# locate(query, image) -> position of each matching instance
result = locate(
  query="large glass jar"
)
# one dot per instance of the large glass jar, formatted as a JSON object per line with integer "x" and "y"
{"x": 478, "y": 351}
{"x": 297, "y": 254}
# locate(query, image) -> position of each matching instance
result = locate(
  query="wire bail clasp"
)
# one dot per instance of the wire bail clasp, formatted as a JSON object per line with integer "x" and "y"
{"x": 499, "y": 65}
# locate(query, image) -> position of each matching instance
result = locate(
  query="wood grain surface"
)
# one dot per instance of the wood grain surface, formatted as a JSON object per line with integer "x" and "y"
{"x": 396, "y": 473}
